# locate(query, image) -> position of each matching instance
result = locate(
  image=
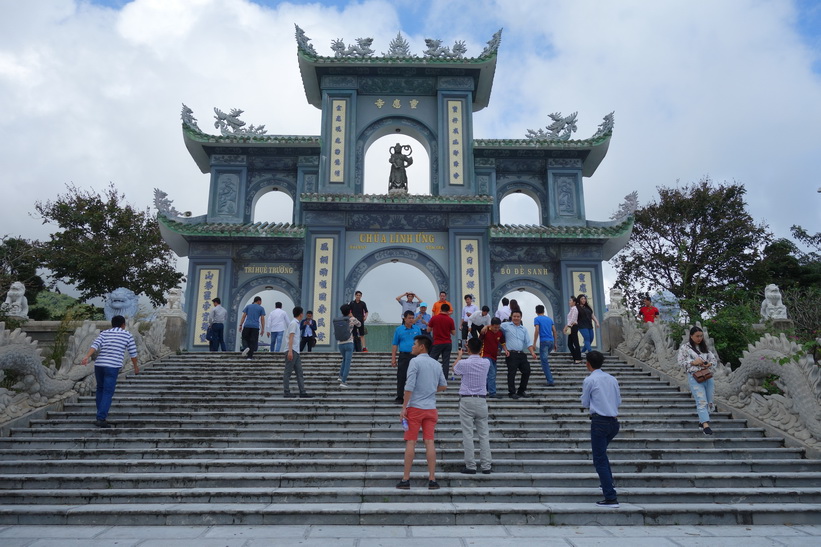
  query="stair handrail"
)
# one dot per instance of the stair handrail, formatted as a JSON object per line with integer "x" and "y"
{"x": 796, "y": 412}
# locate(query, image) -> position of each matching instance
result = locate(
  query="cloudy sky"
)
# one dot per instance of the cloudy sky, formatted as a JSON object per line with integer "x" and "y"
{"x": 92, "y": 89}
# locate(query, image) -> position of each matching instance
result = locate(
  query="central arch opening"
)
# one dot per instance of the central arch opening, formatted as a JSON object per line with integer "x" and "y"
{"x": 380, "y": 287}
{"x": 378, "y": 166}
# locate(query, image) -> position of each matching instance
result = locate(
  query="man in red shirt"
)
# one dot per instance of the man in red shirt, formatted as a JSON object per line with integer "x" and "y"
{"x": 443, "y": 328}
{"x": 492, "y": 338}
{"x": 648, "y": 312}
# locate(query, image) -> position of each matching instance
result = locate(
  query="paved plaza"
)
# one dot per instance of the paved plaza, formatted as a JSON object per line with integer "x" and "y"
{"x": 422, "y": 536}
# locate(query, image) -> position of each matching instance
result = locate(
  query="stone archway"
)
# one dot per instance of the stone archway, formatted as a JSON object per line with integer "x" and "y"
{"x": 545, "y": 293}
{"x": 437, "y": 275}
{"x": 244, "y": 291}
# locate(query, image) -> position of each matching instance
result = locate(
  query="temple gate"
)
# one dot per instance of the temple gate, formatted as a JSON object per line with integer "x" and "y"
{"x": 338, "y": 234}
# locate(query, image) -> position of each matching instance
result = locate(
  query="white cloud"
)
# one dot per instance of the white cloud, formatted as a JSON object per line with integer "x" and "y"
{"x": 725, "y": 88}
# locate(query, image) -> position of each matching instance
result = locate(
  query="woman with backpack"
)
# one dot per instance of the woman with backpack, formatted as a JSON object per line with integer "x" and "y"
{"x": 343, "y": 332}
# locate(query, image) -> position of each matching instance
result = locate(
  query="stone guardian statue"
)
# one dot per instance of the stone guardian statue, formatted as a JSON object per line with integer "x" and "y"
{"x": 400, "y": 159}
{"x": 16, "y": 304}
{"x": 773, "y": 307}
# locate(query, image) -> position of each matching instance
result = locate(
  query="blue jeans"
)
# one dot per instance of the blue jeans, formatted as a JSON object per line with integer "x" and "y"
{"x": 217, "y": 337}
{"x": 602, "y": 431}
{"x": 587, "y": 335}
{"x": 491, "y": 377}
{"x": 703, "y": 394}
{"x": 346, "y": 349}
{"x": 276, "y": 340}
{"x": 544, "y": 350}
{"x": 106, "y": 382}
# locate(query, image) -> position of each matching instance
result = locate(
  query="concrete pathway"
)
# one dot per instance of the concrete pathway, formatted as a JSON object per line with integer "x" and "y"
{"x": 407, "y": 536}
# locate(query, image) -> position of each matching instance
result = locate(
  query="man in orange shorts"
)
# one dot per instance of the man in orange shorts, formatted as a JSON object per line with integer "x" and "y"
{"x": 425, "y": 379}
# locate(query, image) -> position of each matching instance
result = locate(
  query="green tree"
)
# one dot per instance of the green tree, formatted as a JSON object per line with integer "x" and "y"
{"x": 104, "y": 243}
{"x": 693, "y": 242}
{"x": 786, "y": 265}
{"x": 19, "y": 261}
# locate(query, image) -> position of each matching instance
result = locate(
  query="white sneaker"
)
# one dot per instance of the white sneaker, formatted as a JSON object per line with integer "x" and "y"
{"x": 339, "y": 380}
{"x": 245, "y": 351}
{"x": 343, "y": 384}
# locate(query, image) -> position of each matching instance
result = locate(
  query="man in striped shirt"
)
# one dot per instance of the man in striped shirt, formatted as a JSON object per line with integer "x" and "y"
{"x": 473, "y": 406}
{"x": 111, "y": 346}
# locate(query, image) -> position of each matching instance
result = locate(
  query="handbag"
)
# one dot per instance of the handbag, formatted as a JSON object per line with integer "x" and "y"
{"x": 567, "y": 330}
{"x": 702, "y": 375}
{"x": 209, "y": 335}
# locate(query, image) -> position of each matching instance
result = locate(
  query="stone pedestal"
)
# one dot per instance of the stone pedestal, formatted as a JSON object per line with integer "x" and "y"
{"x": 612, "y": 332}
{"x": 176, "y": 328}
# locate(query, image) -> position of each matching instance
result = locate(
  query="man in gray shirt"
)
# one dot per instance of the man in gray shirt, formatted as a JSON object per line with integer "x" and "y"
{"x": 425, "y": 379}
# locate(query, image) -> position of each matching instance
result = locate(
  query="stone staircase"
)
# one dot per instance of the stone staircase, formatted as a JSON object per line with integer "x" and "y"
{"x": 209, "y": 439}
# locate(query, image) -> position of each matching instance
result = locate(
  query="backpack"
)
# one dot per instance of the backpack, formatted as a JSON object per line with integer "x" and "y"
{"x": 342, "y": 329}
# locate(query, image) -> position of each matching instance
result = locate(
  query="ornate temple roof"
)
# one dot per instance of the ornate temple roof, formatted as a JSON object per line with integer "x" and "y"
{"x": 359, "y": 58}
{"x": 179, "y": 232}
{"x": 614, "y": 234}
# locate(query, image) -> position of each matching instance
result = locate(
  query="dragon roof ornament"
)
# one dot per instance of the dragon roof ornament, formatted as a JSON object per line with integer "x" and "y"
{"x": 230, "y": 124}
{"x": 563, "y": 127}
{"x": 399, "y": 48}
{"x": 627, "y": 207}
{"x": 164, "y": 205}
{"x": 188, "y": 118}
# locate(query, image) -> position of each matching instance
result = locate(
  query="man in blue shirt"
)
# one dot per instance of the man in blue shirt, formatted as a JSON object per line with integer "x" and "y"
{"x": 401, "y": 351}
{"x": 253, "y": 319}
{"x": 422, "y": 319}
{"x": 111, "y": 346}
{"x": 600, "y": 394}
{"x": 515, "y": 346}
{"x": 544, "y": 334}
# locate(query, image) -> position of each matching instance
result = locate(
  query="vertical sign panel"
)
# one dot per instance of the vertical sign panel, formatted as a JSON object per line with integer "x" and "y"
{"x": 470, "y": 268}
{"x": 338, "y": 109}
{"x": 207, "y": 290}
{"x": 455, "y": 143}
{"x": 323, "y": 279}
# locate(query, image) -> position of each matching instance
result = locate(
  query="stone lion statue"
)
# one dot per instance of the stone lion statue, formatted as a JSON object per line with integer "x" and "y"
{"x": 616, "y": 307}
{"x": 16, "y": 304}
{"x": 121, "y": 301}
{"x": 772, "y": 307}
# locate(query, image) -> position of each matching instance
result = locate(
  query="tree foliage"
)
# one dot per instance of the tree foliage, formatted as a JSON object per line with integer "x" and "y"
{"x": 693, "y": 242}
{"x": 786, "y": 265}
{"x": 19, "y": 261}
{"x": 104, "y": 243}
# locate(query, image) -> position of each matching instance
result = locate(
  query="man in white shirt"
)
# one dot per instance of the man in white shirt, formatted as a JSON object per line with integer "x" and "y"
{"x": 292, "y": 359}
{"x": 276, "y": 323}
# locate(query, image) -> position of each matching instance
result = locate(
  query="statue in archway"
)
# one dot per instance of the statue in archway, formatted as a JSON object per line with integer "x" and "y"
{"x": 400, "y": 159}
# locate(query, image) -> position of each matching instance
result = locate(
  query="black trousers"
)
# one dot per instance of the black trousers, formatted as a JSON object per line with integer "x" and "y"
{"x": 573, "y": 343}
{"x": 442, "y": 350}
{"x": 517, "y": 361}
{"x": 403, "y": 360}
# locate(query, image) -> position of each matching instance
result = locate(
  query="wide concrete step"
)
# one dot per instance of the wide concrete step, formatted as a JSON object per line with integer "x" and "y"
{"x": 452, "y": 461}
{"x": 347, "y": 430}
{"x": 412, "y": 513}
{"x": 141, "y": 438}
{"x": 308, "y": 478}
{"x": 473, "y": 493}
{"x": 743, "y": 459}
